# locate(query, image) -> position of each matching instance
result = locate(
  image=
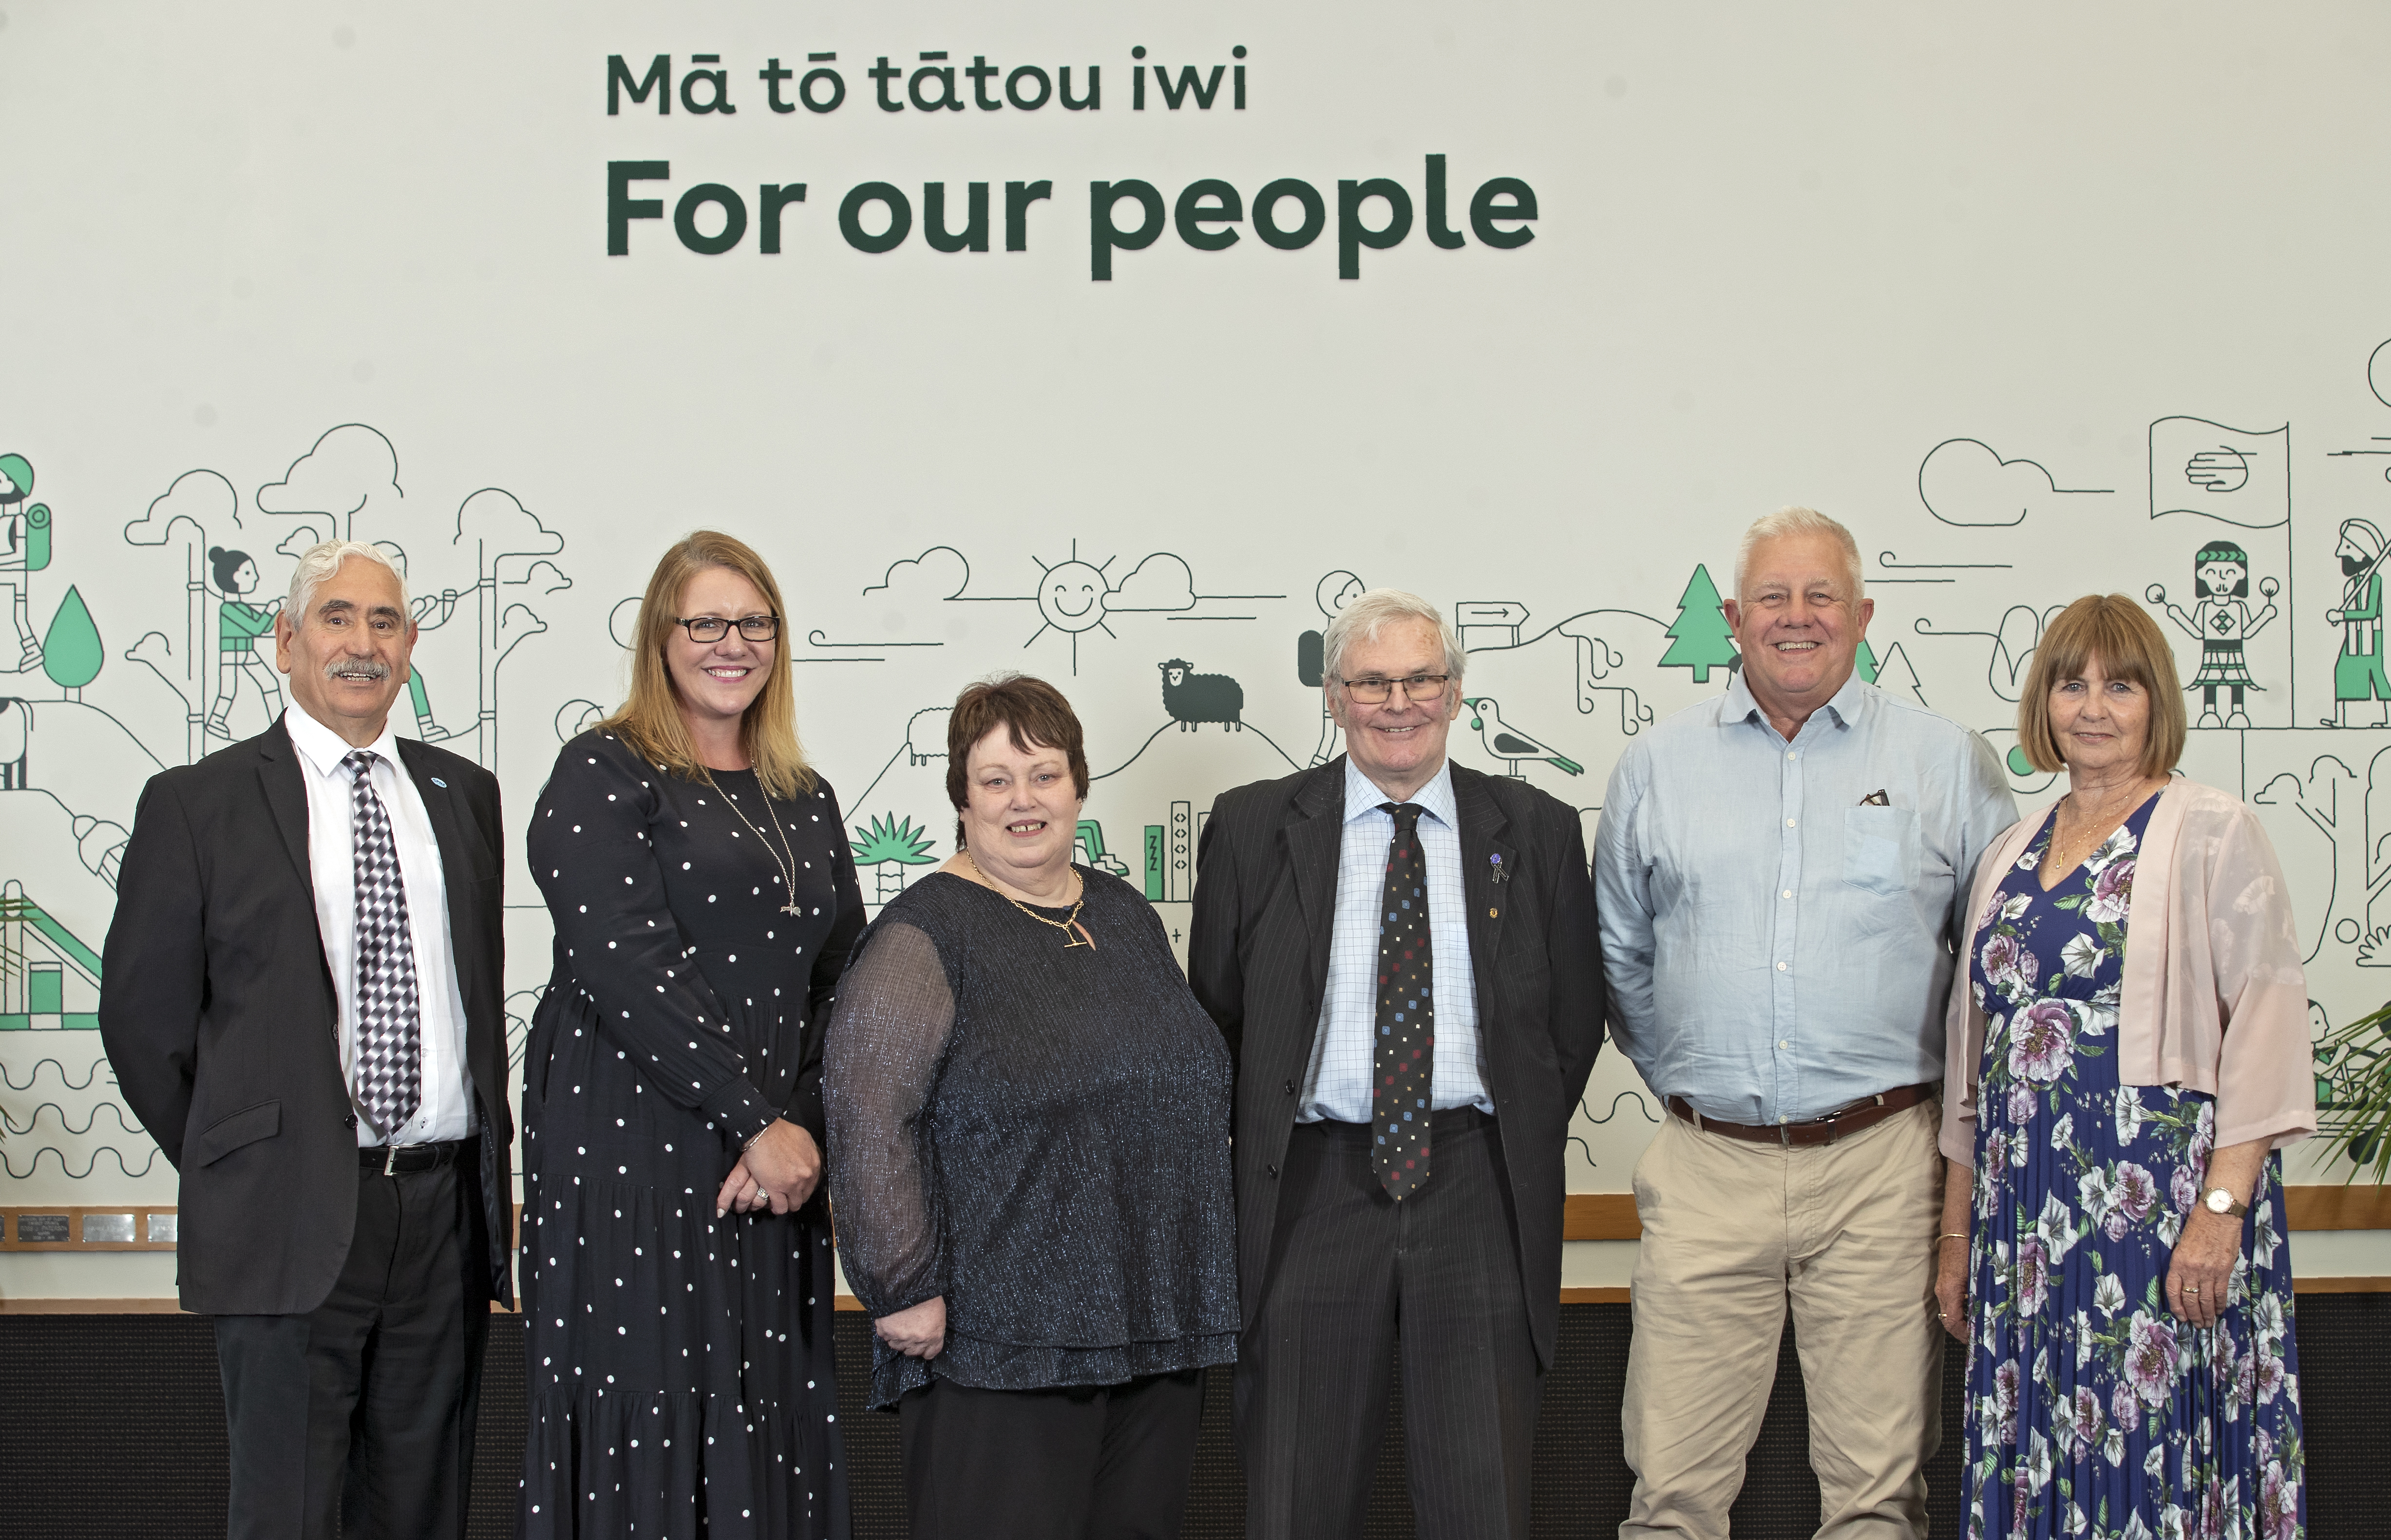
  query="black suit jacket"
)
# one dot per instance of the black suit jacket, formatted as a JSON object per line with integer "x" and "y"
{"x": 219, "y": 1015}
{"x": 1265, "y": 906}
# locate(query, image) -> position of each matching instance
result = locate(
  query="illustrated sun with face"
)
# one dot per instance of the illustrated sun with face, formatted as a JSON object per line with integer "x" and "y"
{"x": 1071, "y": 599}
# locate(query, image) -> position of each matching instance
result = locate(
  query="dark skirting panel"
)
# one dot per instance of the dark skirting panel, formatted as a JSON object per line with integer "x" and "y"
{"x": 113, "y": 1426}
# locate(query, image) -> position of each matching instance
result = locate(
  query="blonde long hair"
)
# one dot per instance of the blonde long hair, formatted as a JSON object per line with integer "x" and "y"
{"x": 650, "y": 719}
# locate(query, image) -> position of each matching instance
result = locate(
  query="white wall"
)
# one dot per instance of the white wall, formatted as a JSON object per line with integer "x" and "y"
{"x": 1982, "y": 285}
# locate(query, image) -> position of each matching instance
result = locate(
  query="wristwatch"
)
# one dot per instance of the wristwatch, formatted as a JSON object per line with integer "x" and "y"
{"x": 2219, "y": 1201}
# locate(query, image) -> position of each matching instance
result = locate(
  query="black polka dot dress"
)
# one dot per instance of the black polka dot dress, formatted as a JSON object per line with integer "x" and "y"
{"x": 680, "y": 1365}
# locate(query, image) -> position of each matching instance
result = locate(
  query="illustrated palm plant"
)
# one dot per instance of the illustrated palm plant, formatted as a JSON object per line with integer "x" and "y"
{"x": 2354, "y": 1091}
{"x": 890, "y": 847}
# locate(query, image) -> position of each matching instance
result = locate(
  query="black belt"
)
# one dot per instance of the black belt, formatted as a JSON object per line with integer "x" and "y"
{"x": 1450, "y": 1119}
{"x": 400, "y": 1160}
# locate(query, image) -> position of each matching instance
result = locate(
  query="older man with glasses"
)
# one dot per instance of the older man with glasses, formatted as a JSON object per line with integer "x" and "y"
{"x": 1402, "y": 955}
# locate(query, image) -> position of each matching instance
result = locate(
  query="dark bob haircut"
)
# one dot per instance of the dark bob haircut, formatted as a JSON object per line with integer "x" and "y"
{"x": 1035, "y": 715}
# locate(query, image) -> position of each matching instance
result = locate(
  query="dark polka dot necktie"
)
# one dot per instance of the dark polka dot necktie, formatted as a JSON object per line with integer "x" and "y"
{"x": 1403, "y": 1068}
{"x": 389, "y": 1055}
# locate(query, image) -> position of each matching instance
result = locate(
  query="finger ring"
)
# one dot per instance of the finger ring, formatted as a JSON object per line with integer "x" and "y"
{"x": 2192, "y": 1289}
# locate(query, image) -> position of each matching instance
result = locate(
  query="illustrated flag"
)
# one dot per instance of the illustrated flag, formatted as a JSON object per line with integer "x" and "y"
{"x": 2241, "y": 477}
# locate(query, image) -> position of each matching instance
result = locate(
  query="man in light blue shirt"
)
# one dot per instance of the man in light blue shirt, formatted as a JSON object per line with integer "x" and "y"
{"x": 1779, "y": 874}
{"x": 1337, "y": 1085}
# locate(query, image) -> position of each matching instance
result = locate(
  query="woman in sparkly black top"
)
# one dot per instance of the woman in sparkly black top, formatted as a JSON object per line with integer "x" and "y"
{"x": 677, "y": 1263}
{"x": 1029, "y": 1158}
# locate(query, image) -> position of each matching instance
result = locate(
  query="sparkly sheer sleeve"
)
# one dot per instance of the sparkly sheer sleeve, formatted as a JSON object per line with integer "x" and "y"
{"x": 882, "y": 1056}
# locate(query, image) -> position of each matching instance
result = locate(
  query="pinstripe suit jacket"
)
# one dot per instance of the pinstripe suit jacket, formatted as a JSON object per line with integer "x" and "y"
{"x": 1265, "y": 906}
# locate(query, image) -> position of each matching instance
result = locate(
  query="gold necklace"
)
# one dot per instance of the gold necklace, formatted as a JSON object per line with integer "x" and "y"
{"x": 1069, "y": 927}
{"x": 788, "y": 871}
{"x": 2063, "y": 853}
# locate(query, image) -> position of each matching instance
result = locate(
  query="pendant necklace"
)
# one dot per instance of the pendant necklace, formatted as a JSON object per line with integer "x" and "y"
{"x": 2096, "y": 822}
{"x": 1069, "y": 927}
{"x": 789, "y": 869}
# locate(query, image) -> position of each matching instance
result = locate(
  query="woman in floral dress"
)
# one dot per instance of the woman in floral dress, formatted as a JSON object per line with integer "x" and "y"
{"x": 2129, "y": 1050}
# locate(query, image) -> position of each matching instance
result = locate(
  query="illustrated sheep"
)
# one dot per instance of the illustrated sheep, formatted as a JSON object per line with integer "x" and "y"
{"x": 925, "y": 735}
{"x": 1192, "y": 699}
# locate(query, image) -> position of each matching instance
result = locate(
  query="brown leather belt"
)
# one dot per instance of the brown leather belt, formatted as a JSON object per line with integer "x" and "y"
{"x": 1842, "y": 1124}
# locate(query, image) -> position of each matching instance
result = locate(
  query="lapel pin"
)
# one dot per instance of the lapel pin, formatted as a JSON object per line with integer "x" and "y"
{"x": 1499, "y": 874}
{"x": 443, "y": 786}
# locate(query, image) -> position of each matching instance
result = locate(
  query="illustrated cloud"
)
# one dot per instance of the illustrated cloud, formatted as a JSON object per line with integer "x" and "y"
{"x": 353, "y": 470}
{"x": 938, "y": 574}
{"x": 202, "y": 496}
{"x": 1963, "y": 481}
{"x": 1160, "y": 582}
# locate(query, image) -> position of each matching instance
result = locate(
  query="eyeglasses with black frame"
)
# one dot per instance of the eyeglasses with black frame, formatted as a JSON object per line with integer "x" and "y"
{"x": 707, "y": 629}
{"x": 1425, "y": 689}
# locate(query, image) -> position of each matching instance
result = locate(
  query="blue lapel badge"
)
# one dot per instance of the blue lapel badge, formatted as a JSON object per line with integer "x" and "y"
{"x": 443, "y": 786}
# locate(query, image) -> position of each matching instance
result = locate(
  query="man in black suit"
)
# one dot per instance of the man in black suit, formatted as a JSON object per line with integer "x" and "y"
{"x": 303, "y": 1002}
{"x": 1403, "y": 956}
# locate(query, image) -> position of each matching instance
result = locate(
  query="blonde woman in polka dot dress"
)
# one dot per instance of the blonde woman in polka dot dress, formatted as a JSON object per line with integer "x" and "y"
{"x": 677, "y": 1261}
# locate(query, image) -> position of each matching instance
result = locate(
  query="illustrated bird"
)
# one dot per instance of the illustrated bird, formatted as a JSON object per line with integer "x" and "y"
{"x": 1507, "y": 743}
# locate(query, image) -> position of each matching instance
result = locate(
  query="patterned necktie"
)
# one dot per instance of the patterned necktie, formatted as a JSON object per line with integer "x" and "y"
{"x": 1404, "y": 1065}
{"x": 388, "y": 1021}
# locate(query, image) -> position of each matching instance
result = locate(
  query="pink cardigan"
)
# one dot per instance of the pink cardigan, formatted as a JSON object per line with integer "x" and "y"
{"x": 2209, "y": 944}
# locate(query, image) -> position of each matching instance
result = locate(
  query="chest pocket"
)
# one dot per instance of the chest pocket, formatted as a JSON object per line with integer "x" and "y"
{"x": 1880, "y": 849}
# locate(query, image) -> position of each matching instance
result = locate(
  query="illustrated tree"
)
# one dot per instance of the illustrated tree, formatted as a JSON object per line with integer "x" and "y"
{"x": 888, "y": 847}
{"x": 1700, "y": 638}
{"x": 72, "y": 653}
{"x": 1895, "y": 676}
{"x": 506, "y": 540}
{"x": 1866, "y": 662}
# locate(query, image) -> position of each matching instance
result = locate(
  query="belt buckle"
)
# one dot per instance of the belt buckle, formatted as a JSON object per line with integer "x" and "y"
{"x": 1831, "y": 1121}
{"x": 390, "y": 1162}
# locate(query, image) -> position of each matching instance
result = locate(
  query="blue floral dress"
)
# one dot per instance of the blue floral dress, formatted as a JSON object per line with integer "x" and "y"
{"x": 2092, "y": 1410}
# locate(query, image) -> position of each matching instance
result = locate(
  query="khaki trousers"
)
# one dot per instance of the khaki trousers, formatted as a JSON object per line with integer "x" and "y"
{"x": 1732, "y": 1233}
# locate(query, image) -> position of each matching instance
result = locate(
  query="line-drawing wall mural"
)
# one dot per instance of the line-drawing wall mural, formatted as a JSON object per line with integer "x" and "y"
{"x": 173, "y": 659}
{"x": 1997, "y": 357}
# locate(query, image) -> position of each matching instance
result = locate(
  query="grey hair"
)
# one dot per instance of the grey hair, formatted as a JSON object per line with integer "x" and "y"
{"x": 1363, "y": 617}
{"x": 319, "y": 561}
{"x": 1799, "y": 520}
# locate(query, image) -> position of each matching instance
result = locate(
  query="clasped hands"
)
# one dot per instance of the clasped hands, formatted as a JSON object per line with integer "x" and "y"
{"x": 778, "y": 1170}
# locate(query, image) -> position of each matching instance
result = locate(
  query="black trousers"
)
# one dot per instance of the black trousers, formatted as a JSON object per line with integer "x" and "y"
{"x": 356, "y": 1419}
{"x": 1109, "y": 1462}
{"x": 1352, "y": 1274}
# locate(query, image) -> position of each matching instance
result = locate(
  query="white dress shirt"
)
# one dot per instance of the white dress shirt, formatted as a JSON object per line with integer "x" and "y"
{"x": 446, "y": 1110}
{"x": 1337, "y": 1087}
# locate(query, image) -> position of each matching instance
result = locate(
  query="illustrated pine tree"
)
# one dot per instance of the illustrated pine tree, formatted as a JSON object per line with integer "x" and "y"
{"x": 1700, "y": 638}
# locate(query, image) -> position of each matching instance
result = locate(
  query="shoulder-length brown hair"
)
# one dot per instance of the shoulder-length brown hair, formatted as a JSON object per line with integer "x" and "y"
{"x": 2130, "y": 646}
{"x": 650, "y": 719}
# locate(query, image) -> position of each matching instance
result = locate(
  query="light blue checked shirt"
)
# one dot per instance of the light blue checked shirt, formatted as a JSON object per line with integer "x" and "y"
{"x": 1778, "y": 950}
{"x": 1336, "y": 1087}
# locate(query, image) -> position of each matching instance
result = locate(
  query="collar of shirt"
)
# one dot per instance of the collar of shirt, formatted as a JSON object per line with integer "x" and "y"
{"x": 1741, "y": 706}
{"x": 324, "y": 749}
{"x": 1361, "y": 795}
